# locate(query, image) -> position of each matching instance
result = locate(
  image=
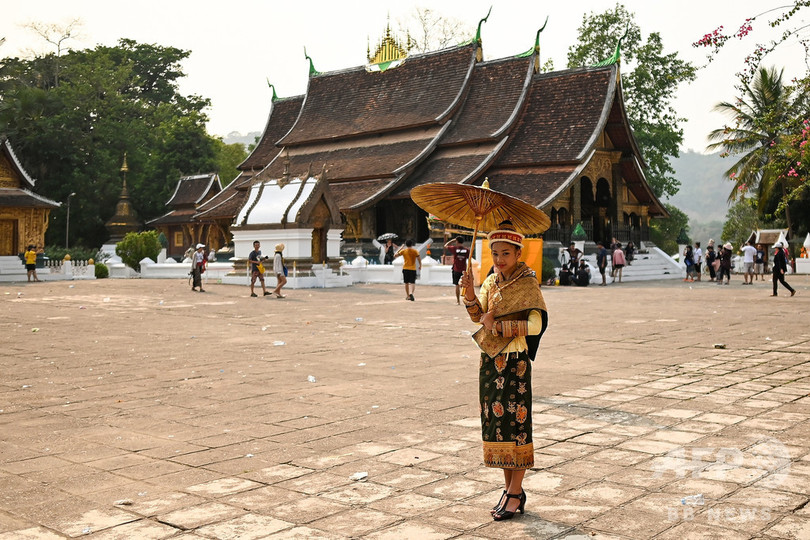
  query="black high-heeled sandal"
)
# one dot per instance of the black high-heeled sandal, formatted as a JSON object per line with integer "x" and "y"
{"x": 497, "y": 507}
{"x": 504, "y": 514}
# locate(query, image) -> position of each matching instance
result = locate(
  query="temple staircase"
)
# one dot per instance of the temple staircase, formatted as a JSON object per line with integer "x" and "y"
{"x": 647, "y": 266}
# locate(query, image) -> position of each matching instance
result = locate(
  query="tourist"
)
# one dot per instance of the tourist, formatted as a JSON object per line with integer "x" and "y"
{"x": 780, "y": 268}
{"x": 257, "y": 268}
{"x": 618, "y": 263}
{"x": 565, "y": 275}
{"x": 460, "y": 255}
{"x": 689, "y": 261}
{"x": 601, "y": 261}
{"x": 574, "y": 253}
{"x": 630, "y": 252}
{"x": 30, "y": 257}
{"x": 198, "y": 267}
{"x": 390, "y": 251}
{"x": 725, "y": 263}
{"x": 582, "y": 276}
{"x": 411, "y": 258}
{"x": 280, "y": 270}
{"x": 504, "y": 377}
{"x": 712, "y": 262}
{"x": 698, "y": 258}
{"x": 760, "y": 262}
{"x": 749, "y": 254}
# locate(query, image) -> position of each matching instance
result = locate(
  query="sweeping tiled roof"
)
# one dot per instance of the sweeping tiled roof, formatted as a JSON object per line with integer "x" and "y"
{"x": 534, "y": 187}
{"x": 22, "y": 198}
{"x": 495, "y": 94}
{"x": 566, "y": 110}
{"x": 282, "y": 116}
{"x": 371, "y": 161}
{"x": 191, "y": 190}
{"x": 424, "y": 90}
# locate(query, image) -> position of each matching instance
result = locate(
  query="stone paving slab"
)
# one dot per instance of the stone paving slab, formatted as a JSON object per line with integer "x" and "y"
{"x": 154, "y": 412}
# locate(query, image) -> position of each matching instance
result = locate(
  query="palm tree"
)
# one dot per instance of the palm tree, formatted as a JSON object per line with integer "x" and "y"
{"x": 760, "y": 119}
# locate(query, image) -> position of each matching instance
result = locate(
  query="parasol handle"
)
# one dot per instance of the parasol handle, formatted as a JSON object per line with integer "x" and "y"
{"x": 472, "y": 250}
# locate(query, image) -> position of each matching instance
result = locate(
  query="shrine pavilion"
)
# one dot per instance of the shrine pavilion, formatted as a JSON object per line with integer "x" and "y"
{"x": 559, "y": 140}
{"x": 23, "y": 213}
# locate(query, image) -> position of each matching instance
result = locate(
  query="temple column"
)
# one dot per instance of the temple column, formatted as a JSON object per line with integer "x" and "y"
{"x": 576, "y": 202}
{"x": 617, "y": 208}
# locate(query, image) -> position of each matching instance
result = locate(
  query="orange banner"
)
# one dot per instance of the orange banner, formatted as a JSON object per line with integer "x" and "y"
{"x": 531, "y": 254}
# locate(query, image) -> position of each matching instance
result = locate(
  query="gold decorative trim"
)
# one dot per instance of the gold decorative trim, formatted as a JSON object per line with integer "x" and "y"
{"x": 508, "y": 455}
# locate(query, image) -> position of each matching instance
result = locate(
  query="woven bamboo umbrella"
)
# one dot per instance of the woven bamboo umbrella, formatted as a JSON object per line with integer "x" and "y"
{"x": 478, "y": 208}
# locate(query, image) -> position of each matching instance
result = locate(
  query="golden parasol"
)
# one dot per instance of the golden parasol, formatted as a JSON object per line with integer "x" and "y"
{"x": 478, "y": 208}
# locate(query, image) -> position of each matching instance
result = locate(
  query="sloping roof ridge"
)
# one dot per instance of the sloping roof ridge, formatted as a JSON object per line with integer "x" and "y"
{"x": 571, "y": 71}
{"x": 401, "y": 172}
{"x": 610, "y": 97}
{"x": 628, "y": 128}
{"x": 36, "y": 196}
{"x": 410, "y": 57}
{"x": 230, "y": 196}
{"x": 567, "y": 183}
{"x": 212, "y": 178}
{"x": 463, "y": 90}
{"x": 485, "y": 163}
{"x": 521, "y": 102}
{"x": 638, "y": 165}
{"x": 267, "y": 124}
{"x": 197, "y": 176}
{"x": 16, "y": 163}
{"x": 170, "y": 212}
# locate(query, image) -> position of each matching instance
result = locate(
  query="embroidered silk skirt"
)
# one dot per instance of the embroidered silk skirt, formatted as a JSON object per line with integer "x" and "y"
{"x": 505, "y": 400}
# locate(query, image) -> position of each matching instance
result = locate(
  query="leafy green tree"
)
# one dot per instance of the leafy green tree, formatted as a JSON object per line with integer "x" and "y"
{"x": 649, "y": 82}
{"x": 741, "y": 219}
{"x": 228, "y": 156}
{"x": 664, "y": 232}
{"x": 109, "y": 100}
{"x": 765, "y": 122}
{"x": 137, "y": 246}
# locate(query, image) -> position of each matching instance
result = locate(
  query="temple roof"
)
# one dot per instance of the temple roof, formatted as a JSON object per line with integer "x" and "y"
{"x": 424, "y": 90}
{"x": 282, "y": 116}
{"x": 15, "y": 175}
{"x": 565, "y": 113}
{"x": 483, "y": 117}
{"x": 23, "y": 198}
{"x": 191, "y": 190}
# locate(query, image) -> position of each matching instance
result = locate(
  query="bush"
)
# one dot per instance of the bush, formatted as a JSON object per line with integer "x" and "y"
{"x": 164, "y": 242}
{"x": 76, "y": 253}
{"x": 137, "y": 246}
{"x": 102, "y": 271}
{"x": 548, "y": 269}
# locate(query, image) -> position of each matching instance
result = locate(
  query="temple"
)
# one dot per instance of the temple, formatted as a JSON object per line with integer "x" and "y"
{"x": 23, "y": 214}
{"x": 176, "y": 224}
{"x": 560, "y": 141}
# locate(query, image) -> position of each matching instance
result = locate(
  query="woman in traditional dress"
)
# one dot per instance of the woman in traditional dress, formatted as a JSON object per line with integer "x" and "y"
{"x": 513, "y": 316}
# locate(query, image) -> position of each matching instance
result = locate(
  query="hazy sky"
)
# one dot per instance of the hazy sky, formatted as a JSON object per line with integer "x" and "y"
{"x": 237, "y": 46}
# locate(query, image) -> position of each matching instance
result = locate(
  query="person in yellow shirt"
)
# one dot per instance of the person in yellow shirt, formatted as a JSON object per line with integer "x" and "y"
{"x": 411, "y": 257}
{"x": 512, "y": 315}
{"x": 30, "y": 256}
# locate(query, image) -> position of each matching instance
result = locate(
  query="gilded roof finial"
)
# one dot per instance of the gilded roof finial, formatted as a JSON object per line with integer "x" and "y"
{"x": 124, "y": 167}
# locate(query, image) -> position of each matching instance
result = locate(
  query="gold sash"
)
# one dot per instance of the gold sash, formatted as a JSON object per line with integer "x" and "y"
{"x": 509, "y": 301}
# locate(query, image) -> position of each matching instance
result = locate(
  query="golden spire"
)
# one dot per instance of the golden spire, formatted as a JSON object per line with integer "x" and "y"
{"x": 124, "y": 167}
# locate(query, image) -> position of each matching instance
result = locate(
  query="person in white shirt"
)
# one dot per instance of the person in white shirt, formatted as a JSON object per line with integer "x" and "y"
{"x": 749, "y": 253}
{"x": 698, "y": 258}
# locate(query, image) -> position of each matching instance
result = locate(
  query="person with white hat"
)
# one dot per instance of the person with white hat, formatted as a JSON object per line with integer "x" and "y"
{"x": 280, "y": 270}
{"x": 725, "y": 263}
{"x": 198, "y": 267}
{"x": 780, "y": 268}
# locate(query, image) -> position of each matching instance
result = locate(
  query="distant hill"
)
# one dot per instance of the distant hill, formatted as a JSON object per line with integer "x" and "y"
{"x": 704, "y": 191}
{"x": 247, "y": 140}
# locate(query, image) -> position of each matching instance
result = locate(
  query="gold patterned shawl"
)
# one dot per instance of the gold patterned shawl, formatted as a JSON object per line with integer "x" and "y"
{"x": 511, "y": 300}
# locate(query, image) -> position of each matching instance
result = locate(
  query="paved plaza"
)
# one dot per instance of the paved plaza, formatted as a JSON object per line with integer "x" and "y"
{"x": 138, "y": 409}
